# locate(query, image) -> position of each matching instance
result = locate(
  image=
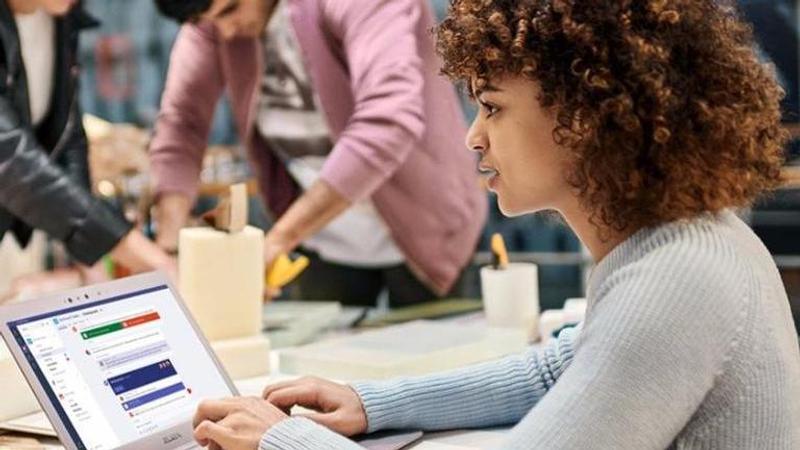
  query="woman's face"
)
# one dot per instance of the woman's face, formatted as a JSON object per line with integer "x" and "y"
{"x": 519, "y": 157}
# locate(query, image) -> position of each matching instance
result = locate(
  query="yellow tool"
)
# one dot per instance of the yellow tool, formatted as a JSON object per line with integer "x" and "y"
{"x": 283, "y": 270}
{"x": 499, "y": 252}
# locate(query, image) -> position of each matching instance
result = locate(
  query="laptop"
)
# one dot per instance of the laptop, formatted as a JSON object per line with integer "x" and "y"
{"x": 120, "y": 365}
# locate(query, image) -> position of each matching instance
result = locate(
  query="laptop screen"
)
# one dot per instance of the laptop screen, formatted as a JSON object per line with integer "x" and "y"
{"x": 120, "y": 369}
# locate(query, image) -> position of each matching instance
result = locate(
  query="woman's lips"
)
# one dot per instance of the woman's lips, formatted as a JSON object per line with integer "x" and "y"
{"x": 492, "y": 181}
{"x": 490, "y": 174}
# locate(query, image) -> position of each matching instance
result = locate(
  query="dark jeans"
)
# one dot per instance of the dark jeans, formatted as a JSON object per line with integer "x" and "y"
{"x": 357, "y": 286}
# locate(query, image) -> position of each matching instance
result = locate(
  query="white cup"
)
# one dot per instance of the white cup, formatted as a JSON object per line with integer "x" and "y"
{"x": 511, "y": 297}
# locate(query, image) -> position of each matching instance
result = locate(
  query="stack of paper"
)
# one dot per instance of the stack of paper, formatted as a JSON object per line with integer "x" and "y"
{"x": 35, "y": 423}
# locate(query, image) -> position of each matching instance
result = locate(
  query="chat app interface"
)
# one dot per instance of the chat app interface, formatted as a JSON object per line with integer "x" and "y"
{"x": 120, "y": 369}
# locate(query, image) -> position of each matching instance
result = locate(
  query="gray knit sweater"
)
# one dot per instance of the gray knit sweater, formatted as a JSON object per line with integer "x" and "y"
{"x": 688, "y": 342}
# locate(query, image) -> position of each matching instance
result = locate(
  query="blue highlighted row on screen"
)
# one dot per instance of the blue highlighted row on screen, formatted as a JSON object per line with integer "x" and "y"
{"x": 143, "y": 376}
{"x": 153, "y": 396}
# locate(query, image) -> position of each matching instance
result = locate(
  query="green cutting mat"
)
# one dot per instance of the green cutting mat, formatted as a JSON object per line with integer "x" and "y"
{"x": 436, "y": 309}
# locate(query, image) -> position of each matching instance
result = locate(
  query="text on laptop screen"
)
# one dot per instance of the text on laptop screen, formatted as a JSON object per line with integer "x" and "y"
{"x": 120, "y": 369}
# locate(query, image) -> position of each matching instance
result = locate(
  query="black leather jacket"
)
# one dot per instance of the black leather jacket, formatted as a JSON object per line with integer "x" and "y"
{"x": 44, "y": 172}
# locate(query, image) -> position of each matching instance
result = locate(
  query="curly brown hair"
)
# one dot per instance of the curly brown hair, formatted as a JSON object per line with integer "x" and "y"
{"x": 663, "y": 104}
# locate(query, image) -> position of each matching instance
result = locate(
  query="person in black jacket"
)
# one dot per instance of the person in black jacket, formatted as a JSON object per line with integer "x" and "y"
{"x": 44, "y": 173}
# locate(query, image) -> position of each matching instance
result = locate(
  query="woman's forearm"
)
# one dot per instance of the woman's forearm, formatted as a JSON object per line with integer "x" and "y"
{"x": 491, "y": 394}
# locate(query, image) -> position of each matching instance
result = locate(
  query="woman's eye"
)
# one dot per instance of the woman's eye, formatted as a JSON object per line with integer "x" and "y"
{"x": 489, "y": 108}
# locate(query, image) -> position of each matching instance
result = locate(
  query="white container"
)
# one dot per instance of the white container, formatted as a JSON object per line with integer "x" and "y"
{"x": 550, "y": 321}
{"x": 574, "y": 310}
{"x": 511, "y": 297}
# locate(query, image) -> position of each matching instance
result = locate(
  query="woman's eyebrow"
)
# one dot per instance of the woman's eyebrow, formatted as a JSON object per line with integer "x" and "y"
{"x": 486, "y": 88}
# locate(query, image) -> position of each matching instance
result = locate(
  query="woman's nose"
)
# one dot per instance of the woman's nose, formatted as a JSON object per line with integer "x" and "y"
{"x": 476, "y": 137}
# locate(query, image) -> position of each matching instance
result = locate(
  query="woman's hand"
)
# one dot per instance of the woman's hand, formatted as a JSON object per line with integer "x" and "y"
{"x": 236, "y": 423}
{"x": 338, "y": 406}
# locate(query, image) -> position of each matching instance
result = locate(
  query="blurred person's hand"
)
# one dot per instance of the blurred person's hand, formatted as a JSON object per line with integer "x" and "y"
{"x": 274, "y": 246}
{"x": 311, "y": 212}
{"x": 139, "y": 254}
{"x": 37, "y": 284}
{"x": 271, "y": 293}
{"x": 336, "y": 406}
{"x": 172, "y": 214}
{"x": 94, "y": 274}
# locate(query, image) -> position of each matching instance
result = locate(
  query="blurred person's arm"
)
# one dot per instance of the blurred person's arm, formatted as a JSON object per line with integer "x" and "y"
{"x": 139, "y": 254}
{"x": 319, "y": 205}
{"x": 46, "y": 196}
{"x": 193, "y": 87}
{"x": 134, "y": 251}
{"x": 172, "y": 214}
{"x": 380, "y": 47}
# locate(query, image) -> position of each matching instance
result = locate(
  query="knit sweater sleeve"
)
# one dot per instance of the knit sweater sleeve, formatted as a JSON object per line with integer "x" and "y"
{"x": 659, "y": 334}
{"x": 494, "y": 393}
{"x": 299, "y": 433}
{"x": 489, "y": 394}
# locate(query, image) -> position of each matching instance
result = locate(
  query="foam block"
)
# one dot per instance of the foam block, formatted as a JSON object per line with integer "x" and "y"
{"x": 222, "y": 280}
{"x": 243, "y": 357}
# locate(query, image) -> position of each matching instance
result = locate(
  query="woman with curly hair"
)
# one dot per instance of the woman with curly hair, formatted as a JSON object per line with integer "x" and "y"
{"x": 645, "y": 124}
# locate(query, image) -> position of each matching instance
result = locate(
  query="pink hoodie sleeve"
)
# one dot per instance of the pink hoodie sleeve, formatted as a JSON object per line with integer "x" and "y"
{"x": 193, "y": 88}
{"x": 380, "y": 46}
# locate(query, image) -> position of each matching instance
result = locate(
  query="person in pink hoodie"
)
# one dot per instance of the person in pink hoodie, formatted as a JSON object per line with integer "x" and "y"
{"x": 353, "y": 136}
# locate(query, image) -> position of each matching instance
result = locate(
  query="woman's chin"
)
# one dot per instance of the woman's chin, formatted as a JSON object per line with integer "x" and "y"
{"x": 514, "y": 208}
{"x": 509, "y": 208}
